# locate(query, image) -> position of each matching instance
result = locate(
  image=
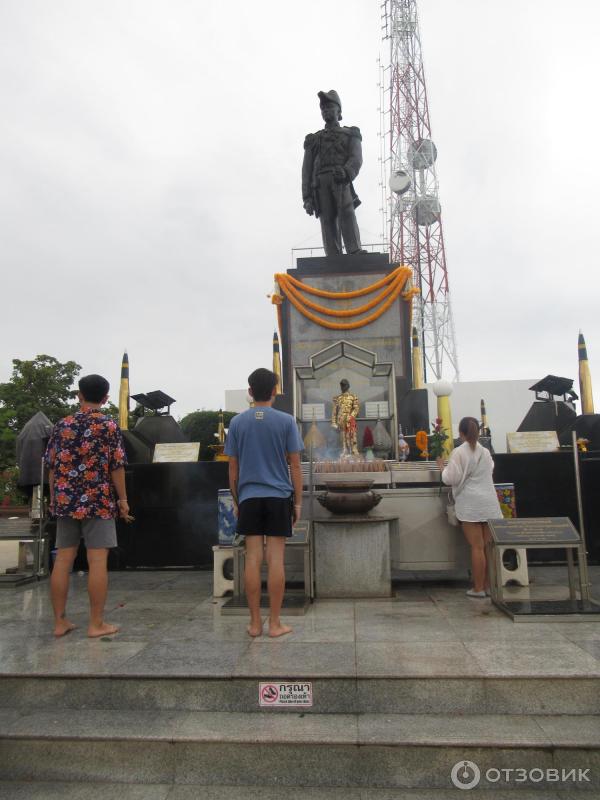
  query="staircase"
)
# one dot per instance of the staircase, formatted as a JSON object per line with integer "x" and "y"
{"x": 377, "y": 738}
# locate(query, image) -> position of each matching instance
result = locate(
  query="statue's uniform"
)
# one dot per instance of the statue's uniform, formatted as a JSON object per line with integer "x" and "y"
{"x": 343, "y": 414}
{"x": 334, "y": 201}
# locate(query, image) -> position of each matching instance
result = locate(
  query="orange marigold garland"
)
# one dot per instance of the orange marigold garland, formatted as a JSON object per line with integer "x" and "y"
{"x": 392, "y": 283}
{"x": 344, "y": 295}
{"x": 347, "y": 312}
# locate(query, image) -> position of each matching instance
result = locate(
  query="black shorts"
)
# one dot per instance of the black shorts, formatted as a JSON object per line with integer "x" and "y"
{"x": 265, "y": 516}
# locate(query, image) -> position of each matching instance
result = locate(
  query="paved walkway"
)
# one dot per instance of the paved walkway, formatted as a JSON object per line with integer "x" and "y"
{"x": 172, "y": 626}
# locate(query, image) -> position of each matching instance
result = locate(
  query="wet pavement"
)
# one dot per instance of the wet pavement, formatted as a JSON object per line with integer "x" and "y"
{"x": 170, "y": 625}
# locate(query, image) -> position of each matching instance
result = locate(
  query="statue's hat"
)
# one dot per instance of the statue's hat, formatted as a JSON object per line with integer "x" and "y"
{"x": 331, "y": 96}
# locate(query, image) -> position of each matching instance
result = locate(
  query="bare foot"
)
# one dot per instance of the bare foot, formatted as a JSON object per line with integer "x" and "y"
{"x": 278, "y": 629}
{"x": 102, "y": 630}
{"x": 255, "y": 629}
{"x": 62, "y": 627}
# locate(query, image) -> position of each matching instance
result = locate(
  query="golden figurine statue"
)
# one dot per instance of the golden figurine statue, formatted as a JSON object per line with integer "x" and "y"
{"x": 220, "y": 437}
{"x": 343, "y": 418}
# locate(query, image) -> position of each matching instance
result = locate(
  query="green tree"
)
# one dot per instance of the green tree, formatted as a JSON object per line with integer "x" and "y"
{"x": 201, "y": 426}
{"x": 8, "y": 440}
{"x": 111, "y": 410}
{"x": 44, "y": 384}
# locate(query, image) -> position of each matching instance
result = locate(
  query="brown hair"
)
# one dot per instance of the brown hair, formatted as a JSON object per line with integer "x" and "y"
{"x": 469, "y": 427}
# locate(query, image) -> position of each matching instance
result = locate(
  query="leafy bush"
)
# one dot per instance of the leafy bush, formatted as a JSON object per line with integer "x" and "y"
{"x": 10, "y": 494}
{"x": 201, "y": 426}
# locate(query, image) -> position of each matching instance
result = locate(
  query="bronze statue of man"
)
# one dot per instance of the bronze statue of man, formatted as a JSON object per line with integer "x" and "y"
{"x": 332, "y": 159}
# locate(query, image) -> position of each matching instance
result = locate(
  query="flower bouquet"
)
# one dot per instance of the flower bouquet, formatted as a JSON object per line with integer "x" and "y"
{"x": 437, "y": 439}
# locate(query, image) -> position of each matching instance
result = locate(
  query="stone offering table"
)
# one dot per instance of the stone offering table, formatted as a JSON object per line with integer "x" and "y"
{"x": 352, "y": 555}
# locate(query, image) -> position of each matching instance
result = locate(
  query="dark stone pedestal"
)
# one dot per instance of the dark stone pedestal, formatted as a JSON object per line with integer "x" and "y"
{"x": 327, "y": 265}
{"x": 176, "y": 514}
{"x": 388, "y": 337}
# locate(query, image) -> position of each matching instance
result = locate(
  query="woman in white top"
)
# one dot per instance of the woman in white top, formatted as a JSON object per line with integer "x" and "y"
{"x": 469, "y": 473}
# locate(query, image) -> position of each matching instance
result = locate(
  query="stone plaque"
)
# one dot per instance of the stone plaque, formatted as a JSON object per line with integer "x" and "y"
{"x": 535, "y": 531}
{"x": 532, "y": 442}
{"x": 310, "y": 409}
{"x": 176, "y": 452}
{"x": 377, "y": 409}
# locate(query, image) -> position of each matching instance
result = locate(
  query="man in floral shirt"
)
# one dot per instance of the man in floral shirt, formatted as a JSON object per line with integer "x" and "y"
{"x": 86, "y": 460}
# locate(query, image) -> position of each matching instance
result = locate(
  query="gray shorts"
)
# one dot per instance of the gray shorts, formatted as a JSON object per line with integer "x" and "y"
{"x": 97, "y": 533}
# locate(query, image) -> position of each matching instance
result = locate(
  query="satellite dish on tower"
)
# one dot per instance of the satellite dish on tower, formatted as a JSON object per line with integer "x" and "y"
{"x": 422, "y": 154}
{"x": 426, "y": 210}
{"x": 400, "y": 182}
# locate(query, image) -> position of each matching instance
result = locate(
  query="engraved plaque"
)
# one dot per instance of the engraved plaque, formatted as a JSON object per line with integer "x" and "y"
{"x": 308, "y": 409}
{"x": 176, "y": 452}
{"x": 535, "y": 531}
{"x": 376, "y": 409}
{"x": 532, "y": 442}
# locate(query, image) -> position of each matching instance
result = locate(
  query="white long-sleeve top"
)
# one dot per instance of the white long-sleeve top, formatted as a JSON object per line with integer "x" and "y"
{"x": 476, "y": 500}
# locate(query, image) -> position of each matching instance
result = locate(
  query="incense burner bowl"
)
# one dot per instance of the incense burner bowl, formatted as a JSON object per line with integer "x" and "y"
{"x": 349, "y": 497}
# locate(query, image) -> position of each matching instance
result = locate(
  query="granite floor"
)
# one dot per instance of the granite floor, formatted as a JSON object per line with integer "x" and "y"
{"x": 172, "y": 626}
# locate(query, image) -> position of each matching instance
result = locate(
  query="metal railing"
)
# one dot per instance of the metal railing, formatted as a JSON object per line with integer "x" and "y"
{"x": 310, "y": 252}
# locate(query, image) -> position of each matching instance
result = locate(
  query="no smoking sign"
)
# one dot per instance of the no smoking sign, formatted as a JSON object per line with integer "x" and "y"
{"x": 285, "y": 694}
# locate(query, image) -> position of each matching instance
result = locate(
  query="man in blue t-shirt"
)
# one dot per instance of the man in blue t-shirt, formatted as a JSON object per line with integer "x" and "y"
{"x": 261, "y": 442}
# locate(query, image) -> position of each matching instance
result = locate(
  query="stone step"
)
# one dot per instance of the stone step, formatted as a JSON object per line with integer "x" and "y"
{"x": 320, "y": 750}
{"x": 77, "y": 790}
{"x": 483, "y": 730}
{"x": 571, "y": 695}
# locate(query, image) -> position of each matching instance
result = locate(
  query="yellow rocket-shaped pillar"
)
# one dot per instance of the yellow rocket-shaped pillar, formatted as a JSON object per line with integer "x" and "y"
{"x": 417, "y": 362}
{"x": 221, "y": 428}
{"x": 484, "y": 422}
{"x": 277, "y": 363}
{"x": 585, "y": 379}
{"x": 124, "y": 394}
{"x": 442, "y": 390}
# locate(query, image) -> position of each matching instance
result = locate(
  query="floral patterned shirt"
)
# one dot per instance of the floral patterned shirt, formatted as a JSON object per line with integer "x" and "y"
{"x": 83, "y": 450}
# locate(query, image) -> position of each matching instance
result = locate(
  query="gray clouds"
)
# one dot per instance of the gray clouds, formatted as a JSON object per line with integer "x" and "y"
{"x": 150, "y": 157}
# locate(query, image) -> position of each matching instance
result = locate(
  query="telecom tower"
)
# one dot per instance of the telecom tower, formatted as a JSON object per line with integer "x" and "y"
{"x": 411, "y": 206}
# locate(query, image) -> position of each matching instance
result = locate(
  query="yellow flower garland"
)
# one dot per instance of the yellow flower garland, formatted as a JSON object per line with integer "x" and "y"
{"x": 393, "y": 283}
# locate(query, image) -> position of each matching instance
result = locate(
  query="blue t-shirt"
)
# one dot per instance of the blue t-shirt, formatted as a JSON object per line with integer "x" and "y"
{"x": 260, "y": 438}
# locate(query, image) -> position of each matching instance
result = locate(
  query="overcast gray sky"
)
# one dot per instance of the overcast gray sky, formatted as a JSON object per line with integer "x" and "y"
{"x": 150, "y": 177}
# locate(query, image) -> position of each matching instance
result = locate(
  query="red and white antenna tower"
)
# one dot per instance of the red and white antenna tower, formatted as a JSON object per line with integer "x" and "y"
{"x": 411, "y": 206}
